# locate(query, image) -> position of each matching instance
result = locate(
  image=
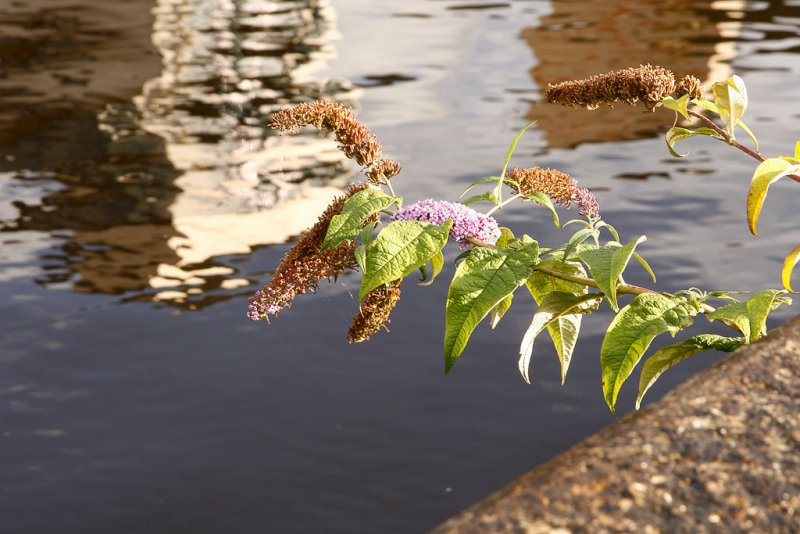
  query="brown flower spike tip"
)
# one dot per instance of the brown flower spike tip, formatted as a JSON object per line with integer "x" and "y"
{"x": 355, "y": 139}
{"x": 304, "y": 265}
{"x": 646, "y": 83}
{"x": 374, "y": 314}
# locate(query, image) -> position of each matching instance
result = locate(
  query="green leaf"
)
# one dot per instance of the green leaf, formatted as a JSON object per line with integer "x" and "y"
{"x": 577, "y": 238}
{"x": 632, "y": 331}
{"x": 355, "y": 213}
{"x": 541, "y": 284}
{"x": 487, "y": 196}
{"x": 437, "y": 263}
{"x": 563, "y": 311}
{"x": 607, "y": 265}
{"x": 768, "y": 172}
{"x": 678, "y": 105}
{"x": 399, "y": 249}
{"x": 749, "y": 318}
{"x": 733, "y": 315}
{"x": 366, "y": 233}
{"x": 646, "y": 266}
{"x": 510, "y": 152}
{"x": 506, "y": 237}
{"x": 481, "y": 281}
{"x": 731, "y": 100}
{"x": 788, "y": 266}
{"x": 361, "y": 257}
{"x": 603, "y": 224}
{"x": 544, "y": 200}
{"x": 676, "y": 133}
{"x": 664, "y": 358}
{"x": 485, "y": 180}
{"x": 500, "y": 310}
{"x": 749, "y": 132}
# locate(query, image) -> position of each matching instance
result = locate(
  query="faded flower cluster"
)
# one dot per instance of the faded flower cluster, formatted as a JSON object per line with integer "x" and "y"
{"x": 356, "y": 141}
{"x": 467, "y": 223}
{"x": 646, "y": 83}
{"x": 559, "y": 186}
{"x": 375, "y": 310}
{"x": 304, "y": 265}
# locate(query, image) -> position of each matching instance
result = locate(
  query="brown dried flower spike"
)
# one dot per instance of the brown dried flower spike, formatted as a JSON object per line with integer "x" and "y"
{"x": 374, "y": 314}
{"x": 355, "y": 139}
{"x": 646, "y": 83}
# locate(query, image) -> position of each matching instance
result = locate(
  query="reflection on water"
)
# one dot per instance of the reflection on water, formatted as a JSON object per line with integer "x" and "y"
{"x": 158, "y": 187}
{"x": 581, "y": 38}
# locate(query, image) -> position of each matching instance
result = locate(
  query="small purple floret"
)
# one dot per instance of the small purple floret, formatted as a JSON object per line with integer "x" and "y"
{"x": 467, "y": 223}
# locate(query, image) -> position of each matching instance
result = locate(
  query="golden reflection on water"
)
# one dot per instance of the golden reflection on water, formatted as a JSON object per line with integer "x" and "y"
{"x": 158, "y": 189}
{"x": 581, "y": 38}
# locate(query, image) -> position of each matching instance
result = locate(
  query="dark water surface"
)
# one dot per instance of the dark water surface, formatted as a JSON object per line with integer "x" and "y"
{"x": 142, "y": 200}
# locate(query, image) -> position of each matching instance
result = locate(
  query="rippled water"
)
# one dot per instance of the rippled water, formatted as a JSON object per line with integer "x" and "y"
{"x": 142, "y": 200}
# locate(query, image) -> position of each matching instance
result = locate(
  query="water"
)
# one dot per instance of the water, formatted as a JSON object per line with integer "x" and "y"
{"x": 142, "y": 201}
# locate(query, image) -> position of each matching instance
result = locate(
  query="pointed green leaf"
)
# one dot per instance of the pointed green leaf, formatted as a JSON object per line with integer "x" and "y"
{"x": 505, "y": 239}
{"x": 577, "y": 238}
{"x": 481, "y": 281}
{"x": 731, "y": 100}
{"x": 749, "y": 132}
{"x": 749, "y": 318}
{"x": 758, "y": 308}
{"x": 544, "y": 200}
{"x": 485, "y": 180}
{"x": 366, "y": 233}
{"x": 361, "y": 257}
{"x": 487, "y": 196}
{"x": 646, "y": 266}
{"x": 355, "y": 213}
{"x": 437, "y": 263}
{"x": 607, "y": 265}
{"x": 510, "y": 152}
{"x": 563, "y": 311}
{"x": 677, "y": 133}
{"x": 500, "y": 310}
{"x": 564, "y": 331}
{"x": 788, "y": 266}
{"x": 603, "y": 224}
{"x": 632, "y": 331}
{"x": 678, "y": 105}
{"x": 768, "y": 172}
{"x": 399, "y": 249}
{"x": 664, "y": 358}
{"x": 734, "y": 316}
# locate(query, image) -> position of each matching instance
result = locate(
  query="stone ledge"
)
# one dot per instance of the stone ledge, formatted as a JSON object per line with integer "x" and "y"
{"x": 720, "y": 453}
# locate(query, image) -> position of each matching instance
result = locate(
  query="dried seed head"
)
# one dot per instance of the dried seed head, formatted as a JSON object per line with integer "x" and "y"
{"x": 382, "y": 171}
{"x": 355, "y": 139}
{"x": 558, "y": 185}
{"x": 303, "y": 266}
{"x": 689, "y": 85}
{"x": 646, "y": 83}
{"x": 374, "y": 314}
{"x": 299, "y": 276}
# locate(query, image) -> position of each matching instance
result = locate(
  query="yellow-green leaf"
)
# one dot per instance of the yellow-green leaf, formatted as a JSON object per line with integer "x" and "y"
{"x": 767, "y": 173}
{"x": 663, "y": 359}
{"x": 632, "y": 331}
{"x": 788, "y": 266}
{"x": 731, "y": 100}
{"x": 481, "y": 282}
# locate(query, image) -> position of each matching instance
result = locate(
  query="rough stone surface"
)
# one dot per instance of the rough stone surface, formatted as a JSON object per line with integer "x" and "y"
{"x": 720, "y": 453}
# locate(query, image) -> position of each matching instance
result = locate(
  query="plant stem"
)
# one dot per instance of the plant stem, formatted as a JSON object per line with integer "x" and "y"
{"x": 733, "y": 142}
{"x": 501, "y": 205}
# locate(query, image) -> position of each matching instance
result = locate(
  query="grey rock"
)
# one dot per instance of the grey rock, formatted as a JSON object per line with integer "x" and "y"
{"x": 720, "y": 453}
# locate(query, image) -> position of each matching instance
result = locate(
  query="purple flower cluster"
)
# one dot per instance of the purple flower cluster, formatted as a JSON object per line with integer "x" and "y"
{"x": 466, "y": 221}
